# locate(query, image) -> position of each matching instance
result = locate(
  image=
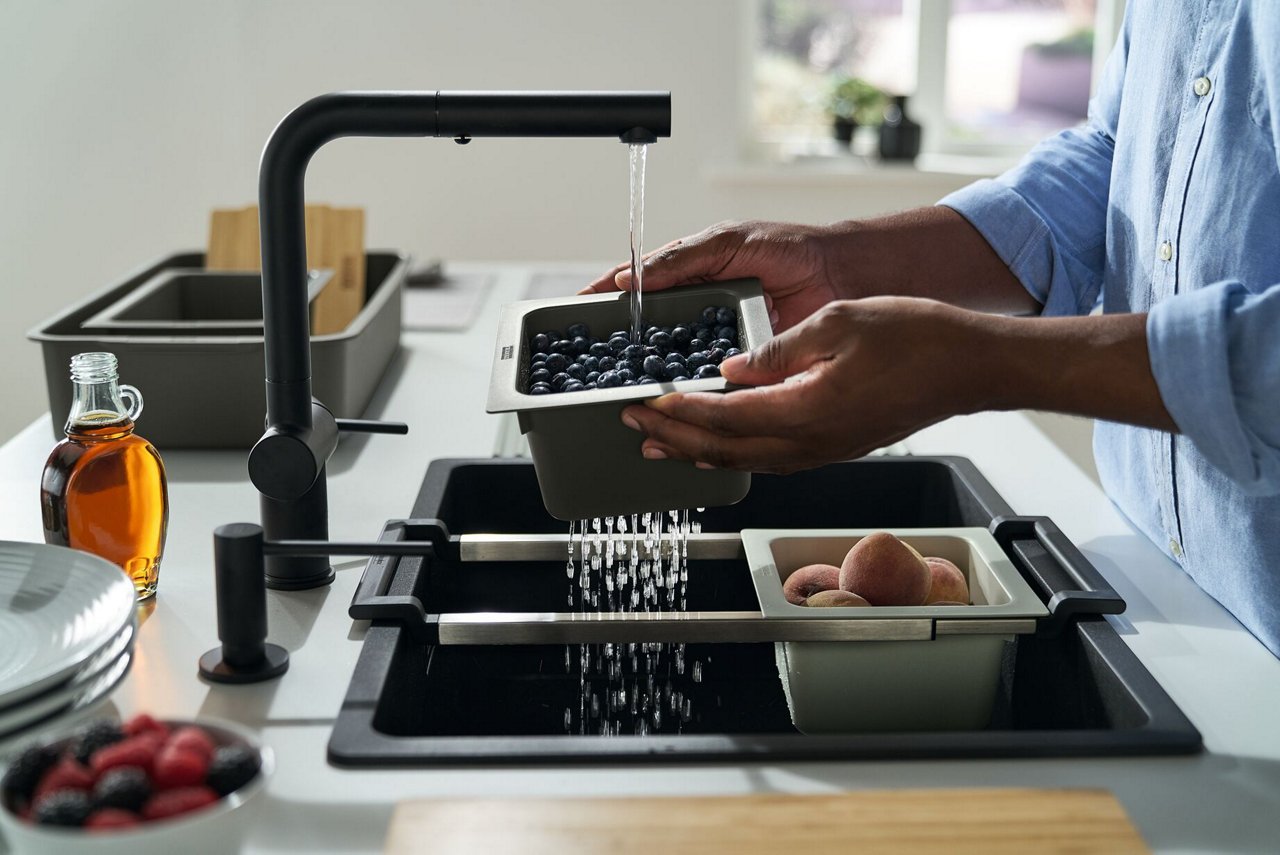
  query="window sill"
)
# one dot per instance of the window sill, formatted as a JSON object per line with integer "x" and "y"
{"x": 852, "y": 170}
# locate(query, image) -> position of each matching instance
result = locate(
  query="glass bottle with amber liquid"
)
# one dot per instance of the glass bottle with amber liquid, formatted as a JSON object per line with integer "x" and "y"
{"x": 103, "y": 488}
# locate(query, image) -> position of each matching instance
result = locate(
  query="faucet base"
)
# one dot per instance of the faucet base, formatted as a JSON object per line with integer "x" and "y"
{"x": 293, "y": 582}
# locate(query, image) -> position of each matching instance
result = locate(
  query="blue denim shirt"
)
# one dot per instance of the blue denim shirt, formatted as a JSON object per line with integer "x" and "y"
{"x": 1167, "y": 201}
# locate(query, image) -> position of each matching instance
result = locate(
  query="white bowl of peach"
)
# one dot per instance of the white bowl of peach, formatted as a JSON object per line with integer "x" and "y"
{"x": 942, "y": 607}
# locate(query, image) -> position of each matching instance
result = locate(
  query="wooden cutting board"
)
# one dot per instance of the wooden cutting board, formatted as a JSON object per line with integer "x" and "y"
{"x": 979, "y": 821}
{"x": 335, "y": 241}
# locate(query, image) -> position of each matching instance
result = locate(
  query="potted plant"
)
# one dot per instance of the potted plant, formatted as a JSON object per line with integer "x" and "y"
{"x": 852, "y": 102}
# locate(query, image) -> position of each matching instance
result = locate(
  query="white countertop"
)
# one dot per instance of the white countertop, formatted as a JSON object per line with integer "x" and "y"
{"x": 1224, "y": 800}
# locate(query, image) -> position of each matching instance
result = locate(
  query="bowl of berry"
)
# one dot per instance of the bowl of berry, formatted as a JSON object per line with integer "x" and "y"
{"x": 568, "y": 366}
{"x": 138, "y": 785}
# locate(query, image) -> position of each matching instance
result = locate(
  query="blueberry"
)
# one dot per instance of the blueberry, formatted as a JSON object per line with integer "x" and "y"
{"x": 733, "y": 351}
{"x": 633, "y": 352}
{"x": 709, "y": 315}
{"x": 708, "y": 371}
{"x": 727, "y": 332}
{"x": 578, "y": 331}
{"x": 660, "y": 340}
{"x": 703, "y": 333}
{"x": 722, "y": 343}
{"x": 540, "y": 356}
{"x": 124, "y": 787}
{"x": 562, "y": 346}
{"x": 648, "y": 334}
{"x": 538, "y": 365}
{"x": 232, "y": 767}
{"x": 588, "y": 385}
{"x": 675, "y": 358}
{"x": 627, "y": 375}
{"x": 591, "y": 363}
{"x": 558, "y": 380}
{"x": 697, "y": 359}
{"x": 726, "y": 317}
{"x": 645, "y": 379}
{"x": 716, "y": 356}
{"x": 676, "y": 372}
{"x": 557, "y": 362}
{"x": 576, "y": 371}
{"x": 609, "y": 380}
{"x": 620, "y": 334}
{"x": 541, "y": 342}
{"x": 581, "y": 344}
{"x": 608, "y": 363}
{"x": 628, "y": 382}
{"x": 63, "y": 807}
{"x": 540, "y": 389}
{"x": 552, "y": 335}
{"x": 681, "y": 336}
{"x": 600, "y": 348}
{"x": 542, "y": 375}
{"x": 654, "y": 366}
{"x": 573, "y": 386}
{"x": 617, "y": 344}
{"x": 592, "y": 378}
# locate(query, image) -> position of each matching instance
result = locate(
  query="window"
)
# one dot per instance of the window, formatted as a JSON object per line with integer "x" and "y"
{"x": 983, "y": 76}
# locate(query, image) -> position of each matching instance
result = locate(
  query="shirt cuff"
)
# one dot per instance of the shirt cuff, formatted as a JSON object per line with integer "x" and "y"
{"x": 1018, "y": 235}
{"x": 1189, "y": 346}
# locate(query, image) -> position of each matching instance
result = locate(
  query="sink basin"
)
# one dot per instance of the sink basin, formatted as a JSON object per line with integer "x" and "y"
{"x": 1072, "y": 688}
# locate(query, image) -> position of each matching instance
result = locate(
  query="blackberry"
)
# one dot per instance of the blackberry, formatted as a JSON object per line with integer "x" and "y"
{"x": 21, "y": 778}
{"x": 124, "y": 787}
{"x": 65, "y": 807}
{"x": 232, "y": 767}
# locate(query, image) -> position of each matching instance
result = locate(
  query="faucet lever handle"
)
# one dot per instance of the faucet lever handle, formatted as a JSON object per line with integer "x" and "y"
{"x": 371, "y": 426}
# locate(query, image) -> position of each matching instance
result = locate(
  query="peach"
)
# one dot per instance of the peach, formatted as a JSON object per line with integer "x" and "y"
{"x": 806, "y": 581}
{"x": 885, "y": 572}
{"x": 837, "y": 597}
{"x": 949, "y": 585}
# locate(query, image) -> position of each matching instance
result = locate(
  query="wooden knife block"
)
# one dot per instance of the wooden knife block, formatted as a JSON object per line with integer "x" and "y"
{"x": 335, "y": 241}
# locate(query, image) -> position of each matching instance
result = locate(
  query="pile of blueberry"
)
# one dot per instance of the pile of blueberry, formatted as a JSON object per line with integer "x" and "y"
{"x": 575, "y": 360}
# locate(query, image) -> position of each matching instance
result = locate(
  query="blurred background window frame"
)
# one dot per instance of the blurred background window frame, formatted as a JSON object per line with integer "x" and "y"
{"x": 927, "y": 25}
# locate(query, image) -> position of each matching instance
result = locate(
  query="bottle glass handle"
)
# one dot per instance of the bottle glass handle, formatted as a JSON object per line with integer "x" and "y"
{"x": 134, "y": 400}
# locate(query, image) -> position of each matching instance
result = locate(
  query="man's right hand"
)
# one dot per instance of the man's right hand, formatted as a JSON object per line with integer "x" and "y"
{"x": 791, "y": 261}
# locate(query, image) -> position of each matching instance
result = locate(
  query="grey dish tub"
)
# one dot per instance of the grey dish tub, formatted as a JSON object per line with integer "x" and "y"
{"x": 206, "y": 389}
{"x": 588, "y": 463}
{"x": 196, "y": 301}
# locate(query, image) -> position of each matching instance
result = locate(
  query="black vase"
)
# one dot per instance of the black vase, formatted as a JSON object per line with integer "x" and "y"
{"x": 899, "y": 135}
{"x": 842, "y": 129}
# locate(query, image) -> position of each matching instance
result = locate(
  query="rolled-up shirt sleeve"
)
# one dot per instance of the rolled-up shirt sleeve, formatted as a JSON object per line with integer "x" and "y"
{"x": 1047, "y": 217}
{"x": 1215, "y": 355}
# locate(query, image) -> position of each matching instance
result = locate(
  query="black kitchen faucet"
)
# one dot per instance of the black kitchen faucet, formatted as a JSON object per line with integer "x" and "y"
{"x": 287, "y": 465}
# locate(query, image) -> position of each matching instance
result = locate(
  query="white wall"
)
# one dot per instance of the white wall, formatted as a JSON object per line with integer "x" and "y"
{"x": 122, "y": 123}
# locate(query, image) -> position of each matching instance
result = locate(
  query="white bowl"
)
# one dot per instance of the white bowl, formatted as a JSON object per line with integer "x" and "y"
{"x": 219, "y": 828}
{"x": 920, "y": 667}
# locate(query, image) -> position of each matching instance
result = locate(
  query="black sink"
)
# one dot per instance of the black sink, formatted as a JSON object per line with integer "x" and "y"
{"x": 1073, "y": 689}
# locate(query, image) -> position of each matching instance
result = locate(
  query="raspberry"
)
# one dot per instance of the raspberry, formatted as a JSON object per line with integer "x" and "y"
{"x": 112, "y": 818}
{"x": 65, "y": 807}
{"x": 180, "y": 800}
{"x": 233, "y": 766}
{"x": 26, "y": 771}
{"x": 125, "y": 788}
{"x": 177, "y": 767}
{"x": 192, "y": 738}
{"x": 97, "y": 734}
{"x": 66, "y": 774}
{"x": 143, "y": 723}
{"x": 137, "y": 751}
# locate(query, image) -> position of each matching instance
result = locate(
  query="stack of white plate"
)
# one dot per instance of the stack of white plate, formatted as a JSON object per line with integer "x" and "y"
{"x": 67, "y": 627}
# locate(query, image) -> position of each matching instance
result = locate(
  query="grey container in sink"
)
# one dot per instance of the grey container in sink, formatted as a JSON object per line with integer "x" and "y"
{"x": 587, "y": 462}
{"x": 205, "y": 389}
{"x": 194, "y": 300}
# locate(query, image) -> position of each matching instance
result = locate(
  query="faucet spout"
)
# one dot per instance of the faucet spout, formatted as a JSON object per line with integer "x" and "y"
{"x": 287, "y": 465}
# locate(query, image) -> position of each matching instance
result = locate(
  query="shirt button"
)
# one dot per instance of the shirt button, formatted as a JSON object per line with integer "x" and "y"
{"x": 1175, "y": 548}
{"x": 1201, "y": 86}
{"x": 1166, "y": 251}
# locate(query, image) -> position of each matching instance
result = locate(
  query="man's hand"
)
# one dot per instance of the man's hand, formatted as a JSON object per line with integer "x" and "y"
{"x": 855, "y": 376}
{"x": 791, "y": 262}
{"x": 860, "y": 374}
